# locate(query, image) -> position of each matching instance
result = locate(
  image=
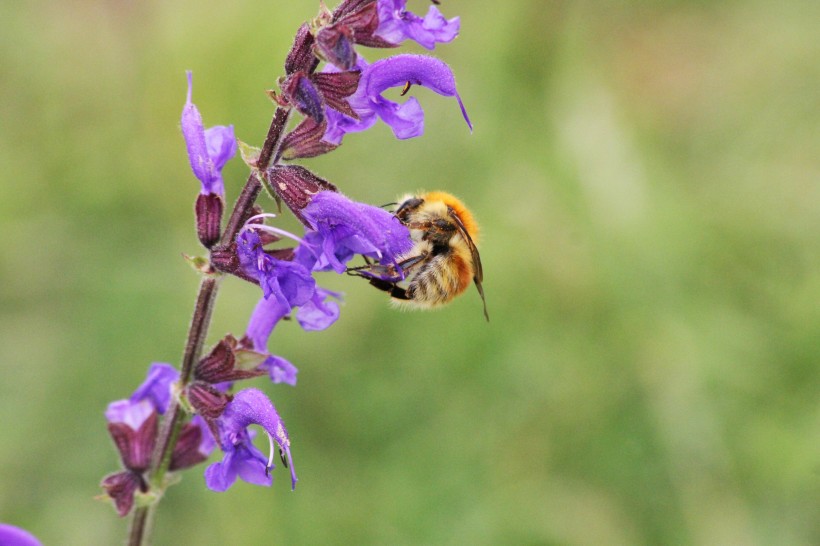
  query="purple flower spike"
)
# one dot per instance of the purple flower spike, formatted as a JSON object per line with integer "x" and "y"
{"x": 407, "y": 119}
{"x": 208, "y": 150}
{"x": 396, "y": 25}
{"x": 242, "y": 459}
{"x": 343, "y": 228}
{"x": 14, "y": 536}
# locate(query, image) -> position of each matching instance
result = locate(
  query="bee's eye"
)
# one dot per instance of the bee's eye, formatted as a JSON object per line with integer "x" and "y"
{"x": 443, "y": 225}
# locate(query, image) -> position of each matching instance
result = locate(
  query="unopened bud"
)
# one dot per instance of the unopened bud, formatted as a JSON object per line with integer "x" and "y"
{"x": 209, "y": 208}
{"x": 306, "y": 141}
{"x": 301, "y": 57}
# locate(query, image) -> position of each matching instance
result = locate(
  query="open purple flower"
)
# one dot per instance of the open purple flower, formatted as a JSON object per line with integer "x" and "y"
{"x": 208, "y": 149}
{"x": 406, "y": 119}
{"x": 396, "y": 25}
{"x": 289, "y": 282}
{"x": 242, "y": 459}
{"x": 343, "y": 228}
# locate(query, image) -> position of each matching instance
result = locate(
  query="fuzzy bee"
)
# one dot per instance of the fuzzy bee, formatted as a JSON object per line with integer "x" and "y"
{"x": 444, "y": 258}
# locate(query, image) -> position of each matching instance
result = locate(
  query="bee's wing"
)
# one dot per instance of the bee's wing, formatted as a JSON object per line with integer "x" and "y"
{"x": 478, "y": 275}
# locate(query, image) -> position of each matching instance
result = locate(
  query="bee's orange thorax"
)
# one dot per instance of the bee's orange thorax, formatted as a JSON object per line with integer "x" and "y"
{"x": 459, "y": 208}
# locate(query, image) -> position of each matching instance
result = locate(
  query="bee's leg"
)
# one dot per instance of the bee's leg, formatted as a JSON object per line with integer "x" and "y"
{"x": 372, "y": 270}
{"x": 395, "y": 291}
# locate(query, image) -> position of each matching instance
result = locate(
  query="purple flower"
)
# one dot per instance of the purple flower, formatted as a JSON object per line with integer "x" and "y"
{"x": 265, "y": 316}
{"x": 14, "y": 536}
{"x": 157, "y": 386}
{"x": 396, "y": 25}
{"x": 242, "y": 459}
{"x": 319, "y": 313}
{"x": 280, "y": 370}
{"x": 315, "y": 314}
{"x": 343, "y": 228}
{"x": 407, "y": 119}
{"x": 154, "y": 394}
{"x": 289, "y": 282}
{"x": 208, "y": 150}
{"x": 133, "y": 425}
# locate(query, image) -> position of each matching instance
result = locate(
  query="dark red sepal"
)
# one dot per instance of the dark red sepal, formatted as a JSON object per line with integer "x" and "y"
{"x": 206, "y": 400}
{"x": 306, "y": 141}
{"x": 336, "y": 87}
{"x": 219, "y": 365}
{"x": 135, "y": 446}
{"x": 121, "y": 487}
{"x": 186, "y": 453}
{"x": 296, "y": 186}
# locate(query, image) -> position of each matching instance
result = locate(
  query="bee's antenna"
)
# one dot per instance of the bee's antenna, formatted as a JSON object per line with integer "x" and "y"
{"x": 388, "y": 205}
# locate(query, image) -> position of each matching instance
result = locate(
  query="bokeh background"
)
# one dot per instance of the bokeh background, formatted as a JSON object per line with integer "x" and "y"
{"x": 647, "y": 176}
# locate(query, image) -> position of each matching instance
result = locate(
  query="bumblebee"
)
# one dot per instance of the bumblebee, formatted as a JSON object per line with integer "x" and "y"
{"x": 443, "y": 260}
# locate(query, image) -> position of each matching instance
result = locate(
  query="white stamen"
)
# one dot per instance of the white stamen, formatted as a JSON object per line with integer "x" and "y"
{"x": 270, "y": 229}
{"x": 262, "y": 216}
{"x": 270, "y": 456}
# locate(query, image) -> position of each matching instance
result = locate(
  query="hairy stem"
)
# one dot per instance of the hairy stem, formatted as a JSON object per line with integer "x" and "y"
{"x": 140, "y": 530}
{"x": 140, "y": 525}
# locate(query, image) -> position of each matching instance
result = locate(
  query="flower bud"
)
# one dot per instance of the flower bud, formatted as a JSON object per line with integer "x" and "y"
{"x": 306, "y": 141}
{"x": 208, "y": 210}
{"x": 301, "y": 57}
{"x": 299, "y": 92}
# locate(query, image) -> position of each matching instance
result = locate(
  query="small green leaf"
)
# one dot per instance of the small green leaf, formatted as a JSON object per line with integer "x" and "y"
{"x": 250, "y": 154}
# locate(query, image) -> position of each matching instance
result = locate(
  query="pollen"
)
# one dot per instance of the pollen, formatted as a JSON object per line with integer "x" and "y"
{"x": 280, "y": 432}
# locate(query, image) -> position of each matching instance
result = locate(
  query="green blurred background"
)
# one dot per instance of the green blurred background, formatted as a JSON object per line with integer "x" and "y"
{"x": 647, "y": 176}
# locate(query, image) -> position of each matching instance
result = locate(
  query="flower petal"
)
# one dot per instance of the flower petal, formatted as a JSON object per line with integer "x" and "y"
{"x": 344, "y": 228}
{"x": 208, "y": 151}
{"x": 319, "y": 313}
{"x": 289, "y": 282}
{"x": 252, "y": 407}
{"x": 265, "y": 316}
{"x": 396, "y": 25}
{"x": 242, "y": 460}
{"x": 407, "y": 119}
{"x": 157, "y": 386}
{"x": 222, "y": 146}
{"x": 280, "y": 370}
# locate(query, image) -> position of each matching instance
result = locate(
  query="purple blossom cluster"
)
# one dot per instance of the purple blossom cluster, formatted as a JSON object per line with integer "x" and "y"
{"x": 345, "y": 96}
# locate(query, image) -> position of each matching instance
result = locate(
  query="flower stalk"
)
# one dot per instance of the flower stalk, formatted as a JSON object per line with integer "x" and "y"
{"x": 139, "y": 531}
